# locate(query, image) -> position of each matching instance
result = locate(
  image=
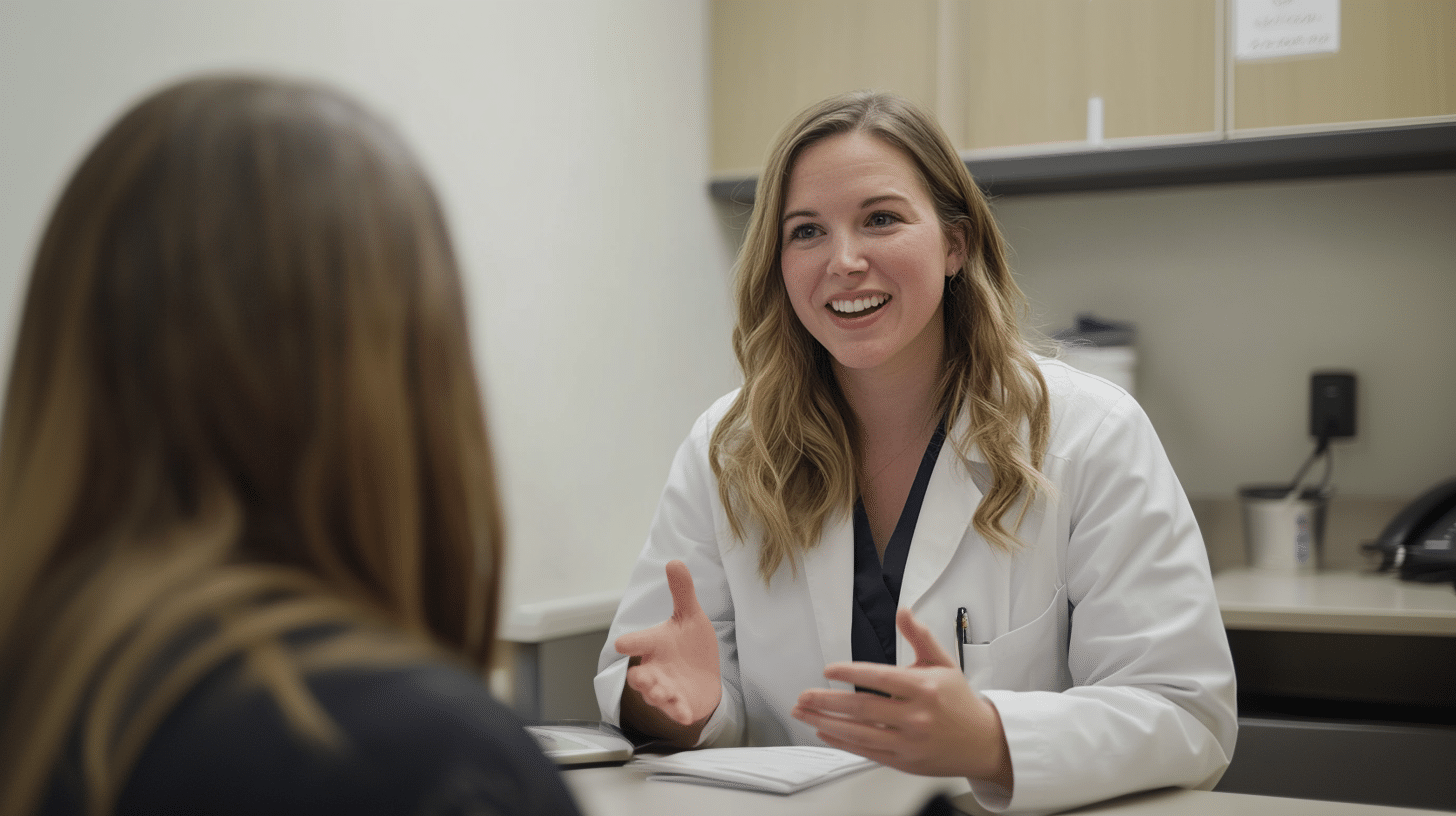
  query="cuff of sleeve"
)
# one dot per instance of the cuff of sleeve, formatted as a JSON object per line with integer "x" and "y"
{"x": 608, "y": 684}
{"x": 995, "y": 798}
{"x": 719, "y": 730}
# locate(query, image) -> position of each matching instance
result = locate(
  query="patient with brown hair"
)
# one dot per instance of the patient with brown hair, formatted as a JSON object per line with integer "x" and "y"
{"x": 250, "y": 541}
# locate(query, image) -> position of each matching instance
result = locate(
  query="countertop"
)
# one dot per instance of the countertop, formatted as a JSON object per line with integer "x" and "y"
{"x": 1345, "y": 602}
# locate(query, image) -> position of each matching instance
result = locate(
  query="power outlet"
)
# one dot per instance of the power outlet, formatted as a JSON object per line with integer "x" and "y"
{"x": 1332, "y": 405}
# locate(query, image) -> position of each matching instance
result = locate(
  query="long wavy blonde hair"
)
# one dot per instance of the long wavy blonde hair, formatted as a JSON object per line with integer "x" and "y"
{"x": 242, "y": 403}
{"x": 786, "y": 453}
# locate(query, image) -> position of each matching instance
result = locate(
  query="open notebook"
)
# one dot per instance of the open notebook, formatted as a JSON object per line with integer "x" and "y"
{"x": 776, "y": 769}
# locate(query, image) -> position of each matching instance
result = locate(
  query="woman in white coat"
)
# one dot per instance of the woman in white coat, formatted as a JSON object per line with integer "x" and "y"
{"x": 906, "y": 535}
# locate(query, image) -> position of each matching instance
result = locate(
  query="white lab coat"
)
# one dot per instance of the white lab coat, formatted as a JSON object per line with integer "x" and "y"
{"x": 1099, "y": 641}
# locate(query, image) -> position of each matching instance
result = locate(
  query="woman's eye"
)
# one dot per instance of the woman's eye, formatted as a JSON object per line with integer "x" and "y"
{"x": 802, "y": 232}
{"x": 882, "y": 219}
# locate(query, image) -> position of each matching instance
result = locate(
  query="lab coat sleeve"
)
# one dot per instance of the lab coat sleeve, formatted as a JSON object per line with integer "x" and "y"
{"x": 687, "y": 526}
{"x": 1152, "y": 702}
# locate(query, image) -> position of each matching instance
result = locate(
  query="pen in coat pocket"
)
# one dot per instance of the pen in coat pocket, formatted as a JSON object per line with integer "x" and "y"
{"x": 963, "y": 624}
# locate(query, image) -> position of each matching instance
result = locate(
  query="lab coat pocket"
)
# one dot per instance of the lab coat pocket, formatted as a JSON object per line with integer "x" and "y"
{"x": 1032, "y": 657}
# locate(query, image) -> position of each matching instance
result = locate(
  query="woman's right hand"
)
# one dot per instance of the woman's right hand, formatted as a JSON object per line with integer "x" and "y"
{"x": 673, "y": 684}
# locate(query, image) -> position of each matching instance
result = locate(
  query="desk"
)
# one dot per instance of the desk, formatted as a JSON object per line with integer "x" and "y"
{"x": 1345, "y": 602}
{"x": 626, "y": 791}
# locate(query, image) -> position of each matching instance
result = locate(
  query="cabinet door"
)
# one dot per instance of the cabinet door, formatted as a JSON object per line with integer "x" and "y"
{"x": 1396, "y": 60}
{"x": 772, "y": 58}
{"x": 1157, "y": 65}
{"x": 1027, "y": 69}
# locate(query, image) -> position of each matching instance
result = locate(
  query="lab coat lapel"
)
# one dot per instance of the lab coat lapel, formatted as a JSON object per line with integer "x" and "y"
{"x": 829, "y": 573}
{"x": 950, "y": 502}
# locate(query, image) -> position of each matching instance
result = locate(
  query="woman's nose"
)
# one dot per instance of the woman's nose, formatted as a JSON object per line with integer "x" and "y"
{"x": 847, "y": 256}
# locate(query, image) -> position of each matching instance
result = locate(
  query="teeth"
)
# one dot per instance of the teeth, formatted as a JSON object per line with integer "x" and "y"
{"x": 858, "y": 304}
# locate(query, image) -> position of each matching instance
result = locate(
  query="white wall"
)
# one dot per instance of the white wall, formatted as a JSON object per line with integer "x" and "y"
{"x": 1239, "y": 291}
{"x": 568, "y": 139}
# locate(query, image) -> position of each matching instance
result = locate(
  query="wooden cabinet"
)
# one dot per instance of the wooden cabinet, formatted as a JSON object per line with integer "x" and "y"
{"x": 771, "y": 58}
{"x": 996, "y": 72}
{"x": 1012, "y": 78}
{"x": 1023, "y": 71}
{"x": 1396, "y": 60}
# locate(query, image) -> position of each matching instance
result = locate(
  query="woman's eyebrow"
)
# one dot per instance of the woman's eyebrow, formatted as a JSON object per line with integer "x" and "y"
{"x": 867, "y": 203}
{"x": 873, "y": 200}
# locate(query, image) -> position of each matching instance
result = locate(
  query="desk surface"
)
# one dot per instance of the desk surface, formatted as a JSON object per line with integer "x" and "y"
{"x": 1340, "y": 602}
{"x": 880, "y": 791}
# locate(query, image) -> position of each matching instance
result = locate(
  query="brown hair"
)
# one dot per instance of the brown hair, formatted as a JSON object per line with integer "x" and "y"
{"x": 242, "y": 402}
{"x": 785, "y": 453}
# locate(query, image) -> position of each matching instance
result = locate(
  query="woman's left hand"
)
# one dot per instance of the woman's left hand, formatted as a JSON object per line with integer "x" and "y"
{"x": 933, "y": 723}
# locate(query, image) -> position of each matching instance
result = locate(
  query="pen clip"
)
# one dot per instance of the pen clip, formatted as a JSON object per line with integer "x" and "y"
{"x": 963, "y": 625}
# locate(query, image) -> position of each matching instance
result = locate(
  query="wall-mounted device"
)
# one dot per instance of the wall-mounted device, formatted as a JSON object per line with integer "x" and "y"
{"x": 1331, "y": 416}
{"x": 1331, "y": 405}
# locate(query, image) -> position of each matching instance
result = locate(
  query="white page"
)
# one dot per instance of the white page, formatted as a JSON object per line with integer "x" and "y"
{"x": 1285, "y": 28}
{"x": 774, "y": 769}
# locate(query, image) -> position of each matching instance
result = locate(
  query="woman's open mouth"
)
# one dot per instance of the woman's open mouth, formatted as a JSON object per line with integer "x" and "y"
{"x": 858, "y": 307}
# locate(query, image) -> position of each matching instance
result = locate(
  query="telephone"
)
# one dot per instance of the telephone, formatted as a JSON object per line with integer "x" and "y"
{"x": 1420, "y": 542}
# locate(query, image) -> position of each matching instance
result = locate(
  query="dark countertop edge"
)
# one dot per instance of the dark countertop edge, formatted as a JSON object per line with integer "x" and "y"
{"x": 1424, "y": 147}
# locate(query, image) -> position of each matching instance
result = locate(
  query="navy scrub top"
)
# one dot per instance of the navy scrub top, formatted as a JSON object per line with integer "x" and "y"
{"x": 876, "y": 585}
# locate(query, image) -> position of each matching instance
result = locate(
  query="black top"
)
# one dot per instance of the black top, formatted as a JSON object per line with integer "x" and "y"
{"x": 425, "y": 739}
{"x": 876, "y": 585}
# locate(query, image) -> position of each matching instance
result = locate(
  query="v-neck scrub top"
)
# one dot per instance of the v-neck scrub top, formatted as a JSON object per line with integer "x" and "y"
{"x": 1098, "y": 638}
{"x": 876, "y": 584}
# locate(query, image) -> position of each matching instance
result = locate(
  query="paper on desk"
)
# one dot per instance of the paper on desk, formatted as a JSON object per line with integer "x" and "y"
{"x": 774, "y": 769}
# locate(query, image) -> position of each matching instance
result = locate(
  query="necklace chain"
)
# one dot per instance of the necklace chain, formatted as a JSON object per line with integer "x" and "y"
{"x": 892, "y": 460}
{"x": 864, "y": 488}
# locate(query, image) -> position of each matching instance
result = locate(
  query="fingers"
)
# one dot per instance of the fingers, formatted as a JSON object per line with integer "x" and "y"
{"x": 680, "y": 584}
{"x": 659, "y": 691}
{"x": 896, "y": 681}
{"x": 644, "y": 680}
{"x": 899, "y": 681}
{"x": 684, "y": 604}
{"x": 848, "y": 704}
{"x": 861, "y": 738}
{"x": 880, "y": 755}
{"x": 677, "y": 711}
{"x": 637, "y": 644}
{"x": 928, "y": 651}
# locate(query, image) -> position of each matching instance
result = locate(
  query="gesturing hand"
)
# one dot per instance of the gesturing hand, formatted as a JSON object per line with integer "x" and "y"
{"x": 933, "y": 723}
{"x": 675, "y": 663}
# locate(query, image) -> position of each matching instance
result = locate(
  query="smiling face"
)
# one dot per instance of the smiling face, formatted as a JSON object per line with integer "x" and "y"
{"x": 864, "y": 256}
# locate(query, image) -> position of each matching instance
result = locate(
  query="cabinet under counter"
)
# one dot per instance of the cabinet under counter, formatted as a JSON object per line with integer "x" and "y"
{"x": 1346, "y": 686}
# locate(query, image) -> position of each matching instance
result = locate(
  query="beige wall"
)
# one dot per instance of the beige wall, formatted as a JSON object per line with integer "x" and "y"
{"x": 569, "y": 141}
{"x": 1240, "y": 291}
